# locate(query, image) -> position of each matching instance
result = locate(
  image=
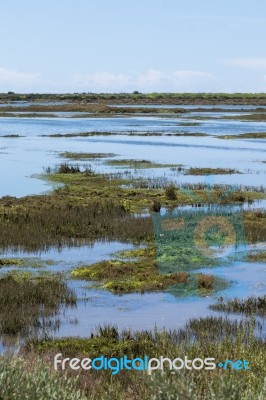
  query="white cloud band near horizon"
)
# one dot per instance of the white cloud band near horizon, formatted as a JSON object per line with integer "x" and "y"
{"x": 247, "y": 62}
{"x": 18, "y": 78}
{"x": 152, "y": 80}
{"x": 105, "y": 81}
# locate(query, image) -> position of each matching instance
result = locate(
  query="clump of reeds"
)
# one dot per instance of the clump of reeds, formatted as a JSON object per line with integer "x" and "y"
{"x": 170, "y": 192}
{"x": 65, "y": 168}
{"x": 251, "y": 305}
{"x": 53, "y": 221}
{"x": 29, "y": 304}
{"x": 156, "y": 206}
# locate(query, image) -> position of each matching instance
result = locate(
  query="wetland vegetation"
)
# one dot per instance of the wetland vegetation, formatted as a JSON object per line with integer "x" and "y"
{"x": 254, "y": 135}
{"x": 30, "y": 303}
{"x": 142, "y": 98}
{"x": 252, "y": 305}
{"x": 217, "y": 337}
{"x": 127, "y": 202}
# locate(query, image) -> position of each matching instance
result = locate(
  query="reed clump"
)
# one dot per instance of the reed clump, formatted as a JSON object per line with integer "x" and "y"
{"x": 251, "y": 305}
{"x": 29, "y": 304}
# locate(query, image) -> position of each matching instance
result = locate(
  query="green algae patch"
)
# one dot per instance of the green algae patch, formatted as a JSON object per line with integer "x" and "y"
{"x": 129, "y": 276}
{"x": 25, "y": 262}
{"x": 141, "y": 275}
{"x": 133, "y": 253}
{"x": 139, "y": 164}
{"x": 199, "y": 285}
{"x": 7, "y": 262}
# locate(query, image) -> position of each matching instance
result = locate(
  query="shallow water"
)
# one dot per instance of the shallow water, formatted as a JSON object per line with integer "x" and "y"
{"x": 22, "y": 157}
{"x": 136, "y": 311}
{"x": 51, "y": 126}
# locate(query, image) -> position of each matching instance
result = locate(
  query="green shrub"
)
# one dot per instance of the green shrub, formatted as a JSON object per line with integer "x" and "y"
{"x": 40, "y": 383}
{"x": 170, "y": 192}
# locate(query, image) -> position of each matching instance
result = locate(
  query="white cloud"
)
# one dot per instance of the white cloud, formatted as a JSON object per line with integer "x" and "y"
{"x": 11, "y": 79}
{"x": 101, "y": 80}
{"x": 151, "y": 80}
{"x": 248, "y": 62}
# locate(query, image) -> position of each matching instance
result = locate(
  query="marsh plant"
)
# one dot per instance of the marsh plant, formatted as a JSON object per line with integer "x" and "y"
{"x": 30, "y": 304}
{"x": 205, "y": 337}
{"x": 35, "y": 380}
{"x": 138, "y": 272}
{"x": 56, "y": 221}
{"x": 251, "y": 305}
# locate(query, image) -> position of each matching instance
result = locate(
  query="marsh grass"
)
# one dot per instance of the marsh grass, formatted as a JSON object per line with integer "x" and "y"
{"x": 127, "y": 133}
{"x": 89, "y": 108}
{"x": 220, "y": 338}
{"x": 25, "y": 262}
{"x": 139, "y": 164}
{"x": 250, "y": 117}
{"x": 162, "y": 182}
{"x": 252, "y": 135}
{"x": 28, "y": 303}
{"x": 65, "y": 168}
{"x": 33, "y": 379}
{"x": 85, "y": 156}
{"x": 94, "y": 206}
{"x": 250, "y": 306}
{"x": 211, "y": 171}
{"x": 257, "y": 257}
{"x": 255, "y": 229}
{"x": 43, "y": 221}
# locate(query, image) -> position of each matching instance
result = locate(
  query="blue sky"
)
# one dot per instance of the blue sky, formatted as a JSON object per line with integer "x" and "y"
{"x": 125, "y": 45}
